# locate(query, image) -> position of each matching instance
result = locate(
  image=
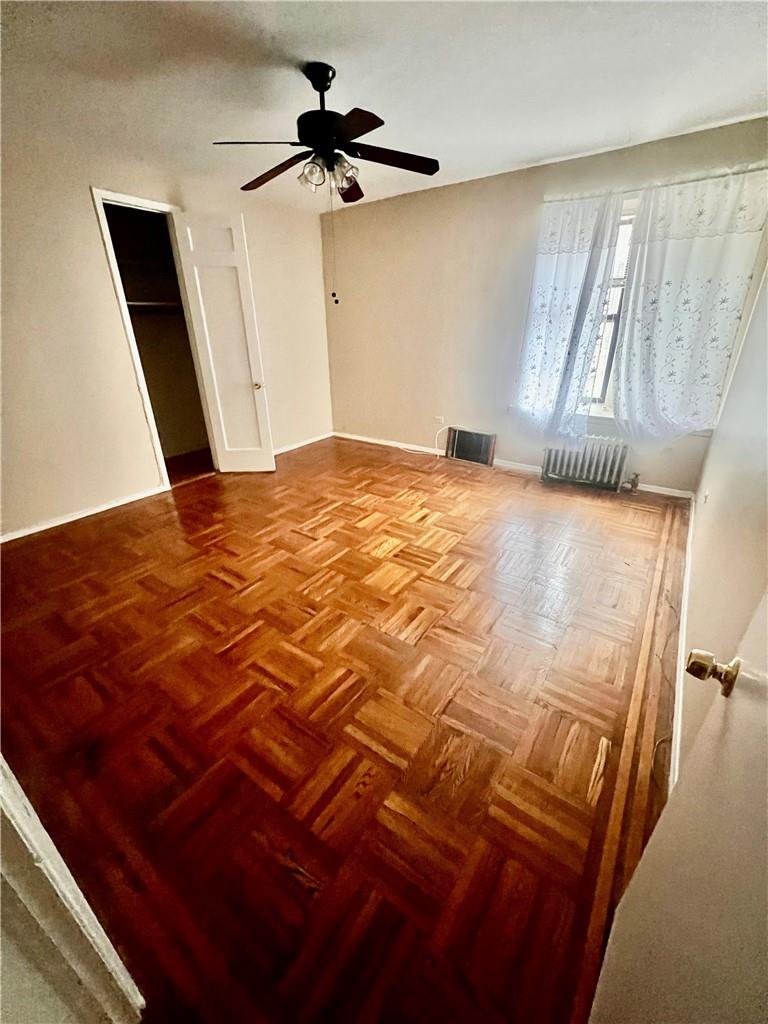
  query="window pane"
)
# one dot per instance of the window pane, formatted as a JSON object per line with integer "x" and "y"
{"x": 602, "y": 353}
{"x": 601, "y": 398}
{"x": 622, "y": 250}
{"x": 614, "y": 300}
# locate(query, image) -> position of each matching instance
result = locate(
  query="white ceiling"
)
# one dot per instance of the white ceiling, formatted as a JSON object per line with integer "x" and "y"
{"x": 484, "y": 87}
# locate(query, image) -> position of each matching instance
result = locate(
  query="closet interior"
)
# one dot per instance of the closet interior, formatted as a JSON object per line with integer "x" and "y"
{"x": 142, "y": 245}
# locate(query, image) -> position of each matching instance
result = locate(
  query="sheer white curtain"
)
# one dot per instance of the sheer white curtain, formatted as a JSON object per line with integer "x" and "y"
{"x": 691, "y": 262}
{"x": 577, "y": 241}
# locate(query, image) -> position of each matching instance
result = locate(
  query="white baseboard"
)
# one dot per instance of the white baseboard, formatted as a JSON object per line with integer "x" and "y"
{"x": 72, "y": 516}
{"x": 519, "y": 467}
{"x": 671, "y": 492}
{"x": 83, "y": 514}
{"x": 420, "y": 448}
{"x": 302, "y": 444}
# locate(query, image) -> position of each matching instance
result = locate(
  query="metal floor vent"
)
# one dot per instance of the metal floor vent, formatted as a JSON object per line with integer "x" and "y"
{"x": 595, "y": 462}
{"x": 470, "y": 446}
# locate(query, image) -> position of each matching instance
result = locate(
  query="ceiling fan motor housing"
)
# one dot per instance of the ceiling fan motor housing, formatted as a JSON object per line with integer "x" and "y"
{"x": 322, "y": 131}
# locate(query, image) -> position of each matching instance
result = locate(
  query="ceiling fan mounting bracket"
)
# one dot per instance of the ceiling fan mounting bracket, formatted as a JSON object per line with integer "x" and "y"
{"x": 320, "y": 75}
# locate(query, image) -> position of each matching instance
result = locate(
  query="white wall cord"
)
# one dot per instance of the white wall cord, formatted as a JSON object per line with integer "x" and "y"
{"x": 438, "y": 453}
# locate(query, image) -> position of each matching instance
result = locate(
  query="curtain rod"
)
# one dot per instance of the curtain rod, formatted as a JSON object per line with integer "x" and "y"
{"x": 744, "y": 169}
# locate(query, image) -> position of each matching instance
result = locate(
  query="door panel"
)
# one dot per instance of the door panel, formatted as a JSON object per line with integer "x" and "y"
{"x": 216, "y": 281}
{"x": 219, "y": 296}
{"x": 689, "y": 944}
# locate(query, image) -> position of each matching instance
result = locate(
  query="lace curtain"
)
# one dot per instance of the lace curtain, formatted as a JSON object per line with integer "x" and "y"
{"x": 575, "y": 252}
{"x": 692, "y": 259}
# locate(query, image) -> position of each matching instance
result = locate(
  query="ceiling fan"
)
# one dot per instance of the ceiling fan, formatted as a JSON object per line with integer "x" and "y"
{"x": 326, "y": 136}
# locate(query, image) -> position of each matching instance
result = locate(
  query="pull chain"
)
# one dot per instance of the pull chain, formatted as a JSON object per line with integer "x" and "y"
{"x": 334, "y": 296}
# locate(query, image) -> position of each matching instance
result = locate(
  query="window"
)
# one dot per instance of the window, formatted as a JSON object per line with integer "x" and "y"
{"x": 601, "y": 399}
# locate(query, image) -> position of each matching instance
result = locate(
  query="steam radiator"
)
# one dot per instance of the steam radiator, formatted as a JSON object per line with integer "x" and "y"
{"x": 595, "y": 461}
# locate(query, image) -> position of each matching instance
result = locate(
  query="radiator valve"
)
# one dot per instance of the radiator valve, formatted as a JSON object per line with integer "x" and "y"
{"x": 632, "y": 484}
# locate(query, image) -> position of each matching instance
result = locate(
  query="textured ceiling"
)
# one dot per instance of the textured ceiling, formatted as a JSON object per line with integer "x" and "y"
{"x": 484, "y": 87}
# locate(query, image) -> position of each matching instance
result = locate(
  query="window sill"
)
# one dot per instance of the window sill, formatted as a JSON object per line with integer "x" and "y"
{"x": 605, "y": 418}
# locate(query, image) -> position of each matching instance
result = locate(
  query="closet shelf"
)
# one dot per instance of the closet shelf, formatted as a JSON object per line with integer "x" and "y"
{"x": 147, "y": 261}
{"x": 155, "y": 307}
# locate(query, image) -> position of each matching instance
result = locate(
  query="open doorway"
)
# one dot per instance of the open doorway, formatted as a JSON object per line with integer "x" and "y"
{"x": 144, "y": 255}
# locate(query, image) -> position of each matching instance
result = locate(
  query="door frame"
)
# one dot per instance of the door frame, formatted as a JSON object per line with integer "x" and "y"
{"x": 55, "y": 910}
{"x": 101, "y": 196}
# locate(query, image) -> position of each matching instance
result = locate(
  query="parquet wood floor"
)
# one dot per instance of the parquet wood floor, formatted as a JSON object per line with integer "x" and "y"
{"x": 378, "y": 737}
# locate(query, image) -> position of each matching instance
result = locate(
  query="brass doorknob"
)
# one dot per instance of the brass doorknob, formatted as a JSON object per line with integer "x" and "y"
{"x": 702, "y": 665}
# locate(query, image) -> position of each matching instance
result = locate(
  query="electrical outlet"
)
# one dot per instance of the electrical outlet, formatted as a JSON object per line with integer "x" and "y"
{"x": 439, "y": 419}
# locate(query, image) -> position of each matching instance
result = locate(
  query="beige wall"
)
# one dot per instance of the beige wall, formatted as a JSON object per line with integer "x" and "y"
{"x": 729, "y": 546}
{"x": 434, "y": 295}
{"x": 74, "y": 433}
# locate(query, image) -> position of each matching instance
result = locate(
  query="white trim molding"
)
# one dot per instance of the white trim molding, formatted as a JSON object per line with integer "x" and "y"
{"x": 101, "y": 196}
{"x": 83, "y": 513}
{"x": 671, "y": 492}
{"x": 136, "y": 202}
{"x": 418, "y": 449}
{"x": 302, "y": 444}
{"x": 518, "y": 467}
{"x": 677, "y": 711}
{"x": 55, "y": 907}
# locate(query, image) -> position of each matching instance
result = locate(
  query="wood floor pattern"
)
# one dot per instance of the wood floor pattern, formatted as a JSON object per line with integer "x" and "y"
{"x": 378, "y": 737}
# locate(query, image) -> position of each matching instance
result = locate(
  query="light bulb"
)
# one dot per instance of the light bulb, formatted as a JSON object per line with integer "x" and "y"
{"x": 344, "y": 173}
{"x": 312, "y": 173}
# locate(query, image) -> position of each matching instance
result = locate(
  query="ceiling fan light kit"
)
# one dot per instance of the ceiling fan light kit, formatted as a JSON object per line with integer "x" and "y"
{"x": 344, "y": 174}
{"x": 328, "y": 138}
{"x": 314, "y": 173}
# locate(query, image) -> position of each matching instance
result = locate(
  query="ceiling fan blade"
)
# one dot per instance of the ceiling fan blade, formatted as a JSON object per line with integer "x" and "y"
{"x": 254, "y": 142}
{"x": 393, "y": 158}
{"x": 359, "y": 122}
{"x": 274, "y": 171}
{"x": 352, "y": 194}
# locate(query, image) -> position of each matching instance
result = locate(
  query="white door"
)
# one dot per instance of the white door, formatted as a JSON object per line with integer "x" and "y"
{"x": 689, "y": 944}
{"x": 218, "y": 300}
{"x": 690, "y": 941}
